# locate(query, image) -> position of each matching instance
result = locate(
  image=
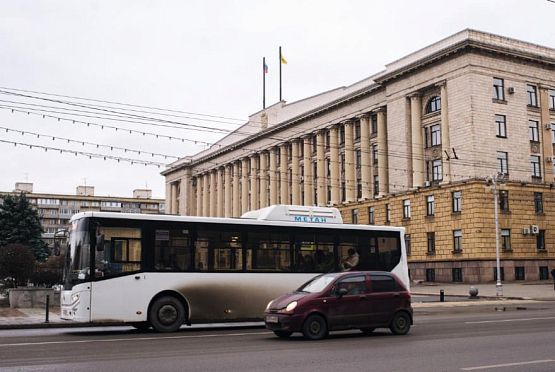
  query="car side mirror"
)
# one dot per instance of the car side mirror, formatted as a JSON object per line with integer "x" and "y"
{"x": 342, "y": 292}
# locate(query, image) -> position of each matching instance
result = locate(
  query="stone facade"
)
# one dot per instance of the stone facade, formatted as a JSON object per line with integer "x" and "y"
{"x": 433, "y": 120}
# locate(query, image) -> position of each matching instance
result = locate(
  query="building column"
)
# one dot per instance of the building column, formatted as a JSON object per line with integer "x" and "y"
{"x": 198, "y": 189}
{"x": 263, "y": 179}
{"x": 220, "y": 192}
{"x": 244, "y": 185}
{"x": 228, "y": 205}
{"x": 365, "y": 161}
{"x": 350, "y": 168}
{"x": 206, "y": 194}
{"x": 445, "y": 141}
{"x": 321, "y": 168}
{"x": 295, "y": 171}
{"x": 547, "y": 146}
{"x": 307, "y": 162}
{"x": 254, "y": 183}
{"x": 236, "y": 189}
{"x": 172, "y": 206}
{"x": 273, "y": 177}
{"x": 283, "y": 174}
{"x": 213, "y": 192}
{"x": 383, "y": 160}
{"x": 418, "y": 163}
{"x": 334, "y": 166}
{"x": 185, "y": 207}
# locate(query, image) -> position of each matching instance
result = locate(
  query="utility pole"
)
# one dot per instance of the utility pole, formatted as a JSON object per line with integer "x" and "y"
{"x": 498, "y": 285}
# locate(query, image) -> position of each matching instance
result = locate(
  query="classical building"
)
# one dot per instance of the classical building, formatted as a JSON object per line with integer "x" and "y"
{"x": 413, "y": 145}
{"x": 55, "y": 210}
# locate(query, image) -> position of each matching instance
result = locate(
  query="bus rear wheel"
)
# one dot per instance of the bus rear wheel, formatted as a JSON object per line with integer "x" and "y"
{"x": 167, "y": 314}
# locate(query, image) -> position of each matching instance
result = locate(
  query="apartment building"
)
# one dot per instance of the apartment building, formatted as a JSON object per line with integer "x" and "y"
{"x": 55, "y": 210}
{"x": 427, "y": 132}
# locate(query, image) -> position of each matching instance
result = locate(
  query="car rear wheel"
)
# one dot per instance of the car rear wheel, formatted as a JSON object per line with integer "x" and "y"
{"x": 315, "y": 327}
{"x": 167, "y": 314}
{"x": 367, "y": 330}
{"x": 282, "y": 334}
{"x": 400, "y": 325}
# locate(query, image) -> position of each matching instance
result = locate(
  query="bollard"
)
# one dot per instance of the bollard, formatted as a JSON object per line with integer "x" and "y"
{"x": 47, "y": 307}
{"x": 441, "y": 295}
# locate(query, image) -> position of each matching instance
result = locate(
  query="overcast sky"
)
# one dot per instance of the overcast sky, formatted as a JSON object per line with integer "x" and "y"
{"x": 199, "y": 57}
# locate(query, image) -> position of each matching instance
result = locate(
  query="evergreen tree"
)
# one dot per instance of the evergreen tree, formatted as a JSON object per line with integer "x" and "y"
{"x": 20, "y": 224}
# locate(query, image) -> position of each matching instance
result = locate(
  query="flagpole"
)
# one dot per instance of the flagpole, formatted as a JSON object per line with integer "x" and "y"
{"x": 263, "y": 82}
{"x": 280, "y": 73}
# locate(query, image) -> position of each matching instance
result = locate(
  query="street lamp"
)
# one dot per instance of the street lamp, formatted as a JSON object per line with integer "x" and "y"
{"x": 493, "y": 179}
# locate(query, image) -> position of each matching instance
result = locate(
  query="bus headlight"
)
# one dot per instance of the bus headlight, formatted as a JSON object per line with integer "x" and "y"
{"x": 74, "y": 297}
{"x": 291, "y": 306}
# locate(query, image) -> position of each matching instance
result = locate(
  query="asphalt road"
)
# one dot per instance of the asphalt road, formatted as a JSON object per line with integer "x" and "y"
{"x": 488, "y": 341}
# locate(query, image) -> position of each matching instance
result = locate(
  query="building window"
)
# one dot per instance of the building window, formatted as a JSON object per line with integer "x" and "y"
{"x": 457, "y": 274}
{"x": 538, "y": 202}
{"x": 502, "y": 162}
{"x": 343, "y": 196}
{"x": 506, "y": 240}
{"x": 358, "y": 157}
{"x": 457, "y": 201}
{"x": 371, "y": 216}
{"x": 457, "y": 241}
{"x": 328, "y": 139}
{"x": 406, "y": 208}
{"x": 430, "y": 205}
{"x": 552, "y": 99}
{"x": 498, "y": 89}
{"x": 536, "y": 166}
{"x": 430, "y": 275}
{"x": 433, "y": 105}
{"x": 431, "y": 238}
{"x": 531, "y": 90}
{"x": 354, "y": 216}
{"x": 501, "y": 271}
{"x": 374, "y": 124}
{"x": 435, "y": 170}
{"x": 540, "y": 240}
{"x": 504, "y": 201}
{"x": 433, "y": 135}
{"x": 375, "y": 154}
{"x": 533, "y": 131}
{"x": 376, "y": 185}
{"x": 341, "y": 134}
{"x": 357, "y": 130}
{"x": 519, "y": 273}
{"x": 387, "y": 213}
{"x": 407, "y": 244}
{"x": 501, "y": 126}
{"x": 544, "y": 273}
{"x": 359, "y": 188}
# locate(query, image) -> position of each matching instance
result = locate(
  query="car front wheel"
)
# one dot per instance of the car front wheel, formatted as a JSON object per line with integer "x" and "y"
{"x": 400, "y": 325}
{"x": 315, "y": 327}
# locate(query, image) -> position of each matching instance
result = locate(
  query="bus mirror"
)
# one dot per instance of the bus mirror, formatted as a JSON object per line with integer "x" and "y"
{"x": 99, "y": 244}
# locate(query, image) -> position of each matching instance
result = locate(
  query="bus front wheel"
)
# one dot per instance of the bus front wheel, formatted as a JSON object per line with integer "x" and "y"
{"x": 167, "y": 314}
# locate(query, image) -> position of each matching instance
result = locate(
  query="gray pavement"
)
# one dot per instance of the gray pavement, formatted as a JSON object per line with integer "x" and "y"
{"x": 425, "y": 297}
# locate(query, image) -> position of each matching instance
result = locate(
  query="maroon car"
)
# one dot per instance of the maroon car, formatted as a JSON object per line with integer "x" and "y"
{"x": 337, "y": 301}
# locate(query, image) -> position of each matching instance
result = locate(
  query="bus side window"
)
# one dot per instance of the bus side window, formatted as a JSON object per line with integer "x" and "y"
{"x": 172, "y": 250}
{"x": 122, "y": 251}
{"x": 201, "y": 254}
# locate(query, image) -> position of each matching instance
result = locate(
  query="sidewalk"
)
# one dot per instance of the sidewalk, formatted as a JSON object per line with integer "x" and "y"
{"x": 514, "y": 295}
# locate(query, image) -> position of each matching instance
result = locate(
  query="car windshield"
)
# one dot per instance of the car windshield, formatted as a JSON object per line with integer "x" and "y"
{"x": 77, "y": 261}
{"x": 318, "y": 283}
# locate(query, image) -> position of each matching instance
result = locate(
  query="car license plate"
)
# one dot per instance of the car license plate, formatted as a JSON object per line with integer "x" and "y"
{"x": 271, "y": 319}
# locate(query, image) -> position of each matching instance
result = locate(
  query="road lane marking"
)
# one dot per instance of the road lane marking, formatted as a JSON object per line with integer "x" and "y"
{"x": 132, "y": 339}
{"x": 508, "y": 365}
{"x": 509, "y": 320}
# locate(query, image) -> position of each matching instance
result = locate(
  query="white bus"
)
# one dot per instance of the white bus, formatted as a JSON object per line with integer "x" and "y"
{"x": 162, "y": 271}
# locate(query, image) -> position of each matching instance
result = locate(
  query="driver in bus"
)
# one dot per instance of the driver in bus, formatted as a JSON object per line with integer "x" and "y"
{"x": 351, "y": 261}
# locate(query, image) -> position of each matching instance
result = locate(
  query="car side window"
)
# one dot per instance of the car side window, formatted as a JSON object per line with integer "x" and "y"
{"x": 353, "y": 284}
{"x": 383, "y": 283}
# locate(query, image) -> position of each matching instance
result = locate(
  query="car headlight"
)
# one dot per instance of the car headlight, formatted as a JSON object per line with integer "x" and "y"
{"x": 269, "y": 304}
{"x": 75, "y": 297}
{"x": 291, "y": 306}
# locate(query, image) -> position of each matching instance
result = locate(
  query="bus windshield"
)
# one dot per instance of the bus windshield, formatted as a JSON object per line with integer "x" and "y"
{"x": 77, "y": 263}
